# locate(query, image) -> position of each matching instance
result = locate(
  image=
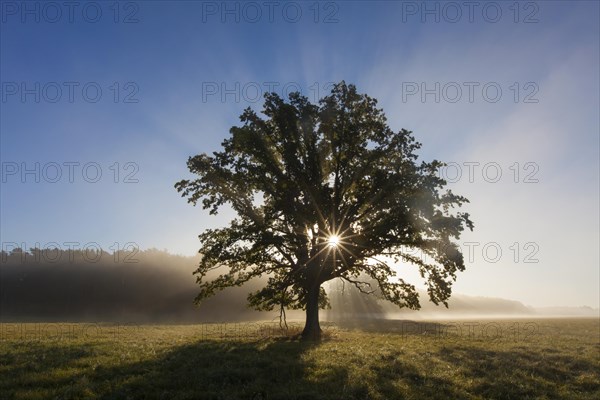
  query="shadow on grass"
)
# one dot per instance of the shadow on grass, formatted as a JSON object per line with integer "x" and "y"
{"x": 525, "y": 374}
{"x": 209, "y": 369}
{"x": 270, "y": 370}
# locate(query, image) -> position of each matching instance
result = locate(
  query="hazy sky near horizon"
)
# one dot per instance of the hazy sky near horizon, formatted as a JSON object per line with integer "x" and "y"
{"x": 103, "y": 102}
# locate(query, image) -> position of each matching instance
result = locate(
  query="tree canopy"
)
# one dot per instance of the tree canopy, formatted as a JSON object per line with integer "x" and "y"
{"x": 324, "y": 191}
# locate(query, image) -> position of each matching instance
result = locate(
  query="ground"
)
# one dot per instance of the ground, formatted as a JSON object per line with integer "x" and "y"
{"x": 486, "y": 359}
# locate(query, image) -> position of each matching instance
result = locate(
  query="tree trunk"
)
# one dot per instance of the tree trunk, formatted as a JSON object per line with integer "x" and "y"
{"x": 312, "y": 329}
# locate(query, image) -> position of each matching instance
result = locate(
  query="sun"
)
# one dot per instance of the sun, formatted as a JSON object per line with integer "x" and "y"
{"x": 333, "y": 241}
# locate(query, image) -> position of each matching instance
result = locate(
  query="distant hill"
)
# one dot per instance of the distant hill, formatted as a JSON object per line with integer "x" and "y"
{"x": 583, "y": 311}
{"x": 463, "y": 305}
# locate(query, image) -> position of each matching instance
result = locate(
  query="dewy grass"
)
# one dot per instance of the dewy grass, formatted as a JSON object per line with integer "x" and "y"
{"x": 504, "y": 359}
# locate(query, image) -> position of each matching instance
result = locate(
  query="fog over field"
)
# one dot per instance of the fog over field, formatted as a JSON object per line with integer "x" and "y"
{"x": 160, "y": 287}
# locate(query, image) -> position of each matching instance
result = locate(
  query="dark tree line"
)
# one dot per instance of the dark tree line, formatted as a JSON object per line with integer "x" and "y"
{"x": 64, "y": 285}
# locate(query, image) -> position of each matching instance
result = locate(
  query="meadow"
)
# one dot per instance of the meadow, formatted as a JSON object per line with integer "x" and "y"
{"x": 377, "y": 359}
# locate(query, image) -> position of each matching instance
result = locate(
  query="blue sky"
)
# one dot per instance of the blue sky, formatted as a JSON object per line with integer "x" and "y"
{"x": 169, "y": 57}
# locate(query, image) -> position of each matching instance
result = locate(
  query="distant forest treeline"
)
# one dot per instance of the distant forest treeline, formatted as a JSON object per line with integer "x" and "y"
{"x": 141, "y": 286}
{"x": 155, "y": 286}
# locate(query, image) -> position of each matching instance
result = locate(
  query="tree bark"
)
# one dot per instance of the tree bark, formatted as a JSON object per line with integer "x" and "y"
{"x": 312, "y": 328}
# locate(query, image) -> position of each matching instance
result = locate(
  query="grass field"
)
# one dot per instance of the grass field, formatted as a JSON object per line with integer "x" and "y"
{"x": 504, "y": 359}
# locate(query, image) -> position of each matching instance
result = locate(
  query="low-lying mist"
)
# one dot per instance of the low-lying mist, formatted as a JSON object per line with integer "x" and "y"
{"x": 159, "y": 287}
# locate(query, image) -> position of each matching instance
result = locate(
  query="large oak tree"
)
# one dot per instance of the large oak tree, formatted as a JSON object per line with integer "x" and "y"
{"x": 323, "y": 192}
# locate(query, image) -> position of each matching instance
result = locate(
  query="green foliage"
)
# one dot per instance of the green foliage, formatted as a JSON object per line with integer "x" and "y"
{"x": 304, "y": 172}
